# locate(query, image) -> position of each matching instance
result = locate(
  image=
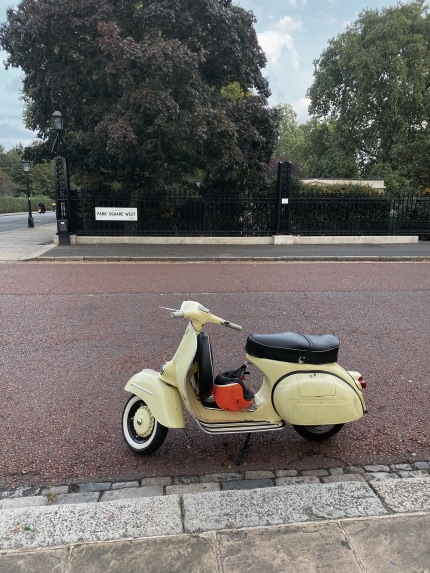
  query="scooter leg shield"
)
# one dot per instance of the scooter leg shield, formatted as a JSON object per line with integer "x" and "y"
{"x": 162, "y": 399}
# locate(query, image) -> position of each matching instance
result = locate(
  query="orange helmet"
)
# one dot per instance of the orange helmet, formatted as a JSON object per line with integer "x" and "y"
{"x": 231, "y": 393}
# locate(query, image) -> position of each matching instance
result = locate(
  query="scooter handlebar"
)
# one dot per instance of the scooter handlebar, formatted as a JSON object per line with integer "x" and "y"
{"x": 232, "y": 325}
{"x": 217, "y": 320}
{"x": 177, "y": 314}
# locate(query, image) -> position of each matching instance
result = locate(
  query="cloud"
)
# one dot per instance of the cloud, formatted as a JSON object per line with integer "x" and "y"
{"x": 12, "y": 132}
{"x": 301, "y": 108}
{"x": 279, "y": 38}
{"x": 295, "y": 3}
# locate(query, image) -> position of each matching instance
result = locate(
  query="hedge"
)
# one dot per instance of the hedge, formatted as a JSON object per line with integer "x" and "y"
{"x": 20, "y": 204}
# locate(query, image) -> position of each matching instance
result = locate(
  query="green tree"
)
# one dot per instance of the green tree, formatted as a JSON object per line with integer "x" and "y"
{"x": 314, "y": 148}
{"x": 373, "y": 81}
{"x": 7, "y": 185}
{"x": 324, "y": 152}
{"x": 290, "y": 140}
{"x": 142, "y": 86}
{"x": 13, "y": 180}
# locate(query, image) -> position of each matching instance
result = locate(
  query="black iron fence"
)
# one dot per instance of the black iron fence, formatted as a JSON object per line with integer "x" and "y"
{"x": 182, "y": 212}
{"x": 357, "y": 215}
{"x": 410, "y": 215}
{"x": 173, "y": 212}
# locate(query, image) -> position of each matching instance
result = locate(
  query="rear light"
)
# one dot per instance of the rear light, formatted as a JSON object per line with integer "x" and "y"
{"x": 362, "y": 382}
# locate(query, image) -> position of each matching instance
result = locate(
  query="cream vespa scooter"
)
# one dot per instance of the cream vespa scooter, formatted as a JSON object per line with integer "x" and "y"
{"x": 303, "y": 385}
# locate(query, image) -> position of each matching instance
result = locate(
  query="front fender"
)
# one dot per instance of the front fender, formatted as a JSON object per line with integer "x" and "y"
{"x": 163, "y": 400}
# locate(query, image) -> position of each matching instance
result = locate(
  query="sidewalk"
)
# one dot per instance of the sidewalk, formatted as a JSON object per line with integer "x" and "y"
{"x": 38, "y": 244}
{"x": 345, "y": 520}
{"x": 373, "y": 519}
{"x": 26, "y": 243}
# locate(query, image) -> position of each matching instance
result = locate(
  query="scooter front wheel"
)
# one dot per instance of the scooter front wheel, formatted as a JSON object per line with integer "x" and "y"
{"x": 142, "y": 432}
{"x": 318, "y": 433}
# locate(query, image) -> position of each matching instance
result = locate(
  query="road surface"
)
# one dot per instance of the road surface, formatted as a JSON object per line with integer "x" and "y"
{"x": 72, "y": 334}
{"x": 15, "y": 221}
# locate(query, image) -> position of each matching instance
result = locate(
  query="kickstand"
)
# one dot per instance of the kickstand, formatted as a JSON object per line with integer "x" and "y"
{"x": 238, "y": 460}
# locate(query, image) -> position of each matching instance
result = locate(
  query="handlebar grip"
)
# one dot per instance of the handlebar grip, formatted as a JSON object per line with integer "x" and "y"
{"x": 232, "y": 325}
{"x": 177, "y": 314}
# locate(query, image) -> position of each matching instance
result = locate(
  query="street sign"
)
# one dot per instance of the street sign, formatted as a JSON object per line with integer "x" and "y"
{"x": 116, "y": 214}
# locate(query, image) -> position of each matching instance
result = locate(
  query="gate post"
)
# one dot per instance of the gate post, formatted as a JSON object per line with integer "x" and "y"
{"x": 62, "y": 183}
{"x": 62, "y": 199}
{"x": 283, "y": 189}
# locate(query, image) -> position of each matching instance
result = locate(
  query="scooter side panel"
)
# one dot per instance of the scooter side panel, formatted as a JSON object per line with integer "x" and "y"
{"x": 316, "y": 398}
{"x": 163, "y": 400}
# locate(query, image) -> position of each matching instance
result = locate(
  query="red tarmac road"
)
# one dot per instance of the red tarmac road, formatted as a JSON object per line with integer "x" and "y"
{"x": 72, "y": 334}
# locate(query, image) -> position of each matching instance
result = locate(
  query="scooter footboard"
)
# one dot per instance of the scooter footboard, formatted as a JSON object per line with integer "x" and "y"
{"x": 162, "y": 399}
{"x": 317, "y": 398}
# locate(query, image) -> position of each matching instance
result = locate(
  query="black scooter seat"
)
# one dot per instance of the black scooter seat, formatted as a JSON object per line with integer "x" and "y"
{"x": 294, "y": 347}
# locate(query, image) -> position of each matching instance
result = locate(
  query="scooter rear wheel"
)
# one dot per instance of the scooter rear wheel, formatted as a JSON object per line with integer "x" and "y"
{"x": 142, "y": 432}
{"x": 318, "y": 433}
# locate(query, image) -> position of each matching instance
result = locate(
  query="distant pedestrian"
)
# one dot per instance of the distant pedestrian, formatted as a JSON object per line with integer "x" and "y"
{"x": 42, "y": 207}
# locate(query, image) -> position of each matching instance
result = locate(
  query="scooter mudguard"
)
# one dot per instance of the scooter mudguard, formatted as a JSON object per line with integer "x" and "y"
{"x": 163, "y": 400}
{"x": 314, "y": 398}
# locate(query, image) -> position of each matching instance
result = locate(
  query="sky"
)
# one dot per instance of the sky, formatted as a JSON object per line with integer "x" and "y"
{"x": 292, "y": 33}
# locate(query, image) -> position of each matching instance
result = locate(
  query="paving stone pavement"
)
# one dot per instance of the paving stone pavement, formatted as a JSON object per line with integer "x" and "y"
{"x": 357, "y": 518}
{"x": 87, "y": 492}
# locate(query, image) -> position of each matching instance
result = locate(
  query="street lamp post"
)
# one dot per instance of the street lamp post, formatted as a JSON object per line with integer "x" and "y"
{"x": 26, "y": 166}
{"x": 62, "y": 187}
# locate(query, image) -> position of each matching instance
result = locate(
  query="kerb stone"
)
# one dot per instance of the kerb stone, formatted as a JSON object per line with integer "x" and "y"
{"x": 279, "y": 505}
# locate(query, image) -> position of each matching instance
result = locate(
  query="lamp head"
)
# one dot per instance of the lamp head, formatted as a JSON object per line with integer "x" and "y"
{"x": 26, "y": 165}
{"x": 58, "y": 121}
